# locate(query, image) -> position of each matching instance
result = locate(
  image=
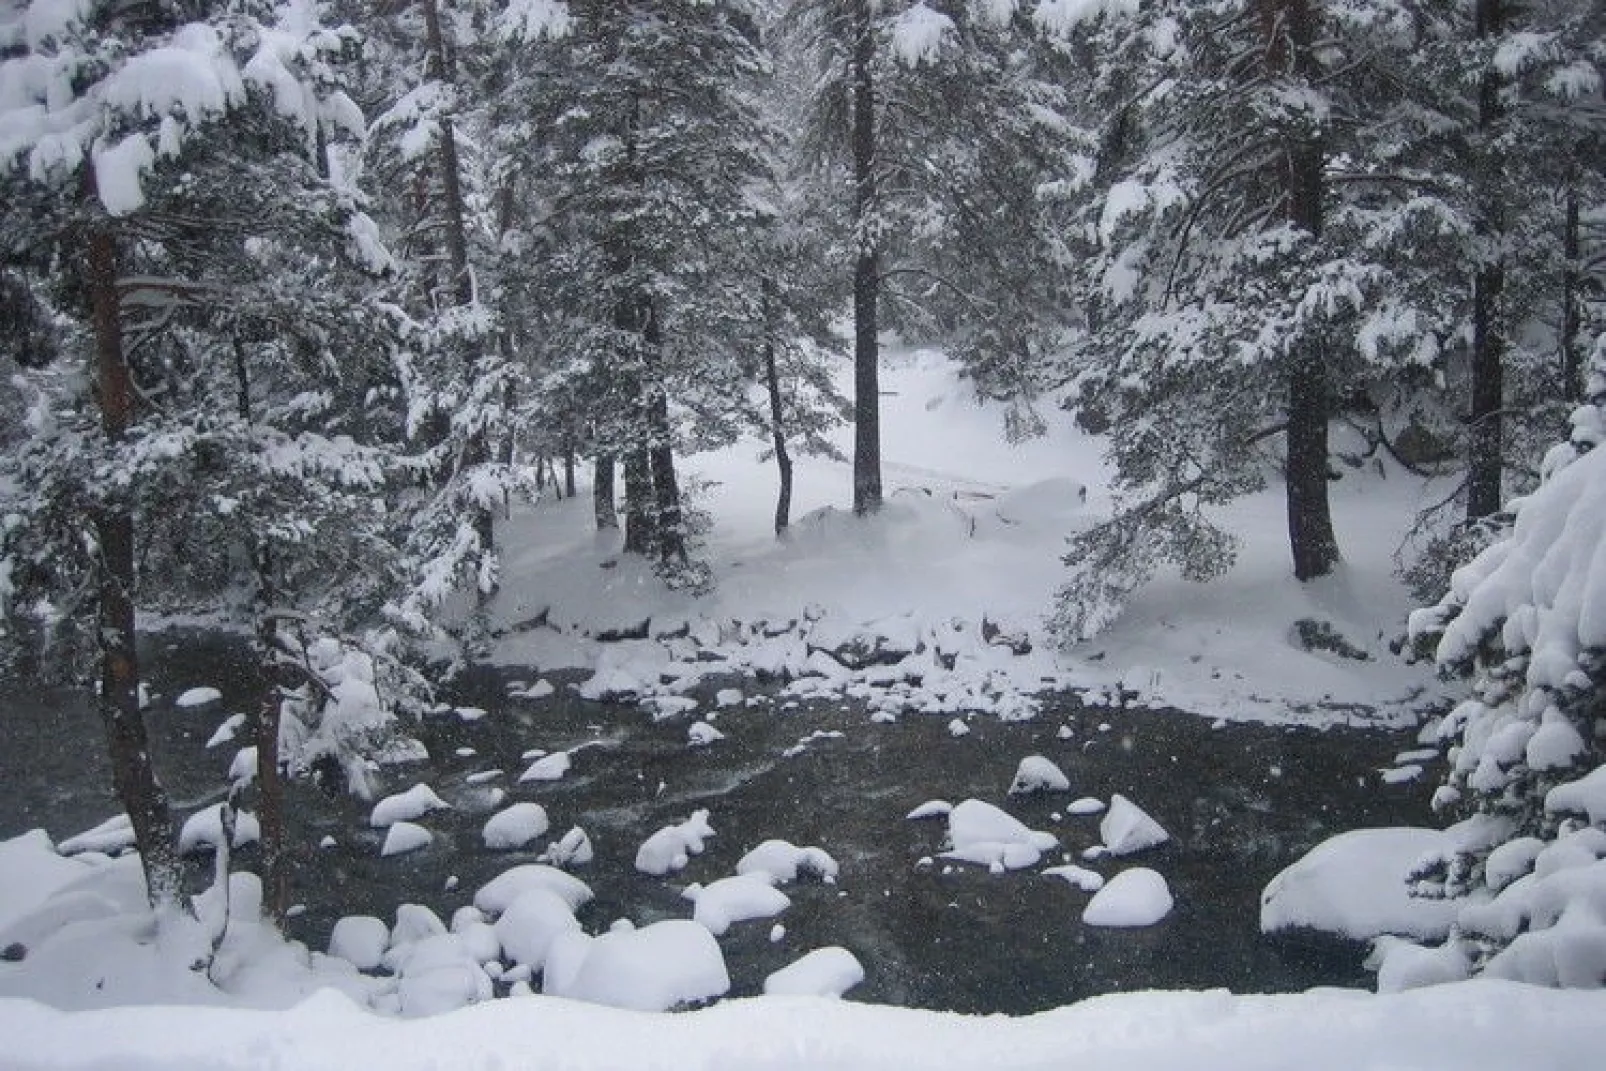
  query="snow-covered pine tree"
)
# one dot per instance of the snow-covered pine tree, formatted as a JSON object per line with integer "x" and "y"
{"x": 640, "y": 138}
{"x": 209, "y": 458}
{"x": 1526, "y": 620}
{"x": 1237, "y": 292}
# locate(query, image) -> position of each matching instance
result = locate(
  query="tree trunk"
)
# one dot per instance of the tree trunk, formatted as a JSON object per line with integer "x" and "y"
{"x": 602, "y": 493}
{"x": 1486, "y": 447}
{"x": 1572, "y": 364}
{"x": 270, "y": 776}
{"x": 568, "y": 475}
{"x": 639, "y": 528}
{"x": 133, "y": 777}
{"x": 668, "y": 519}
{"x": 1289, "y": 29}
{"x": 866, "y": 271}
{"x": 783, "y": 459}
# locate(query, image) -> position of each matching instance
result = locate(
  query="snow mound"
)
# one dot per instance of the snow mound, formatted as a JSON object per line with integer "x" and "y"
{"x": 701, "y": 734}
{"x": 983, "y": 834}
{"x": 784, "y": 861}
{"x": 115, "y": 834}
{"x": 30, "y": 874}
{"x": 548, "y": 768}
{"x": 1135, "y": 897}
{"x": 572, "y": 849}
{"x": 1081, "y": 877}
{"x": 227, "y": 730}
{"x": 406, "y": 806}
{"x": 197, "y": 697}
{"x": 495, "y": 896}
{"x": 404, "y": 837}
{"x": 531, "y": 923}
{"x": 1355, "y": 885}
{"x": 513, "y": 828}
{"x": 825, "y": 972}
{"x": 654, "y": 968}
{"x": 737, "y": 899}
{"x": 930, "y": 809}
{"x": 1127, "y": 828}
{"x": 1038, "y": 774}
{"x": 1084, "y": 806}
{"x": 360, "y": 940}
{"x": 672, "y": 847}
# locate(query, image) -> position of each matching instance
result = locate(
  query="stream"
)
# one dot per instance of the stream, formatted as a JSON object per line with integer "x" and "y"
{"x": 1240, "y": 802}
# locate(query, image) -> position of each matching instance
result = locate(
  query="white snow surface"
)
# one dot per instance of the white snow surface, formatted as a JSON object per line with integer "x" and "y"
{"x": 197, "y": 697}
{"x": 1134, "y": 897}
{"x": 672, "y": 847}
{"x": 736, "y": 899}
{"x": 1474, "y": 1026}
{"x": 653, "y": 968}
{"x": 360, "y": 940}
{"x": 981, "y": 833}
{"x": 971, "y": 533}
{"x": 783, "y": 861}
{"x": 404, "y": 837}
{"x": 825, "y": 972}
{"x": 204, "y": 828}
{"x": 496, "y": 895}
{"x": 1355, "y": 885}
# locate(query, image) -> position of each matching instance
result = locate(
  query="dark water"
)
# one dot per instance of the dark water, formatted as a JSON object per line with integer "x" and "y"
{"x": 1240, "y": 802}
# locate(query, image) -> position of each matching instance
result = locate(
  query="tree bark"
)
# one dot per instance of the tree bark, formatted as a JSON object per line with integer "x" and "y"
{"x": 1486, "y": 447}
{"x": 602, "y": 494}
{"x": 1572, "y": 364}
{"x": 783, "y": 459}
{"x": 270, "y": 775}
{"x": 639, "y": 529}
{"x": 866, "y": 270}
{"x": 133, "y": 777}
{"x": 1289, "y": 30}
{"x": 668, "y": 518}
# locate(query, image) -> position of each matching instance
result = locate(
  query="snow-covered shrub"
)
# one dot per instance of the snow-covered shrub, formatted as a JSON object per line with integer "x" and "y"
{"x": 1526, "y": 619}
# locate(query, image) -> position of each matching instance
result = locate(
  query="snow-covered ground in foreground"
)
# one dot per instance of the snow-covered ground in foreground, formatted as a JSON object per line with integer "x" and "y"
{"x": 1465, "y": 1027}
{"x": 937, "y": 604}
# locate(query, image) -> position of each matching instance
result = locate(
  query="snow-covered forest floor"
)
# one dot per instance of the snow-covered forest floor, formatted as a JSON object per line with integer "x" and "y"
{"x": 964, "y": 563}
{"x": 933, "y": 608}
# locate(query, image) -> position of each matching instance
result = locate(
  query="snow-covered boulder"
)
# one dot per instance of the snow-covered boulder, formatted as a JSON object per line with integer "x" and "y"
{"x": 548, "y": 768}
{"x": 1356, "y": 885}
{"x": 1038, "y": 774}
{"x": 825, "y": 972}
{"x": 737, "y": 899}
{"x": 530, "y": 924}
{"x": 192, "y": 698}
{"x": 983, "y": 834}
{"x": 204, "y": 829}
{"x": 654, "y": 968}
{"x": 1081, "y": 877}
{"x": 701, "y": 734}
{"x": 404, "y": 837}
{"x": 496, "y": 895}
{"x": 1127, "y": 828}
{"x": 672, "y": 847}
{"x": 406, "y": 806}
{"x": 1135, "y": 897}
{"x": 515, "y": 827}
{"x": 783, "y": 861}
{"x": 360, "y": 940}
{"x": 571, "y": 849}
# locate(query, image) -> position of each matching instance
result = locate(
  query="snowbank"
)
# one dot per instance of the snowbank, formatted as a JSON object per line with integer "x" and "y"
{"x": 1474, "y": 1026}
{"x": 1354, "y": 885}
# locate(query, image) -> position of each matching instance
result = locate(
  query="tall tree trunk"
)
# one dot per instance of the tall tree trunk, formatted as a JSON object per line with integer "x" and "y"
{"x": 439, "y": 66}
{"x": 772, "y": 381}
{"x": 668, "y": 518}
{"x": 866, "y": 270}
{"x": 133, "y": 777}
{"x": 1486, "y": 453}
{"x": 1572, "y": 364}
{"x": 568, "y": 475}
{"x": 639, "y": 529}
{"x": 1289, "y": 31}
{"x": 602, "y": 493}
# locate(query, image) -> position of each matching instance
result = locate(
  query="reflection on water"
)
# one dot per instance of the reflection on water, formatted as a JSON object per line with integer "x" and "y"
{"x": 1240, "y": 803}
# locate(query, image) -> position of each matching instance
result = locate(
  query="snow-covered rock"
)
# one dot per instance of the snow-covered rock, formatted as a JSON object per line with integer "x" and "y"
{"x": 736, "y": 899}
{"x": 548, "y": 768}
{"x": 783, "y": 861}
{"x": 406, "y": 806}
{"x": 1127, "y": 828}
{"x": 1135, "y": 897}
{"x": 515, "y": 827}
{"x": 403, "y": 837}
{"x": 115, "y": 834}
{"x": 227, "y": 730}
{"x": 1084, "y": 806}
{"x": 1038, "y": 774}
{"x": 360, "y": 940}
{"x": 1355, "y": 885}
{"x": 983, "y": 834}
{"x": 1081, "y": 877}
{"x": 701, "y": 734}
{"x": 572, "y": 849}
{"x": 672, "y": 847}
{"x": 495, "y": 895}
{"x": 930, "y": 809}
{"x": 825, "y": 972}
{"x": 531, "y": 922}
{"x": 654, "y": 968}
{"x": 197, "y": 697}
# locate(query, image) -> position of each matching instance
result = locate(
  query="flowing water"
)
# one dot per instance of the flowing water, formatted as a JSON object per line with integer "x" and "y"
{"x": 1240, "y": 801}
